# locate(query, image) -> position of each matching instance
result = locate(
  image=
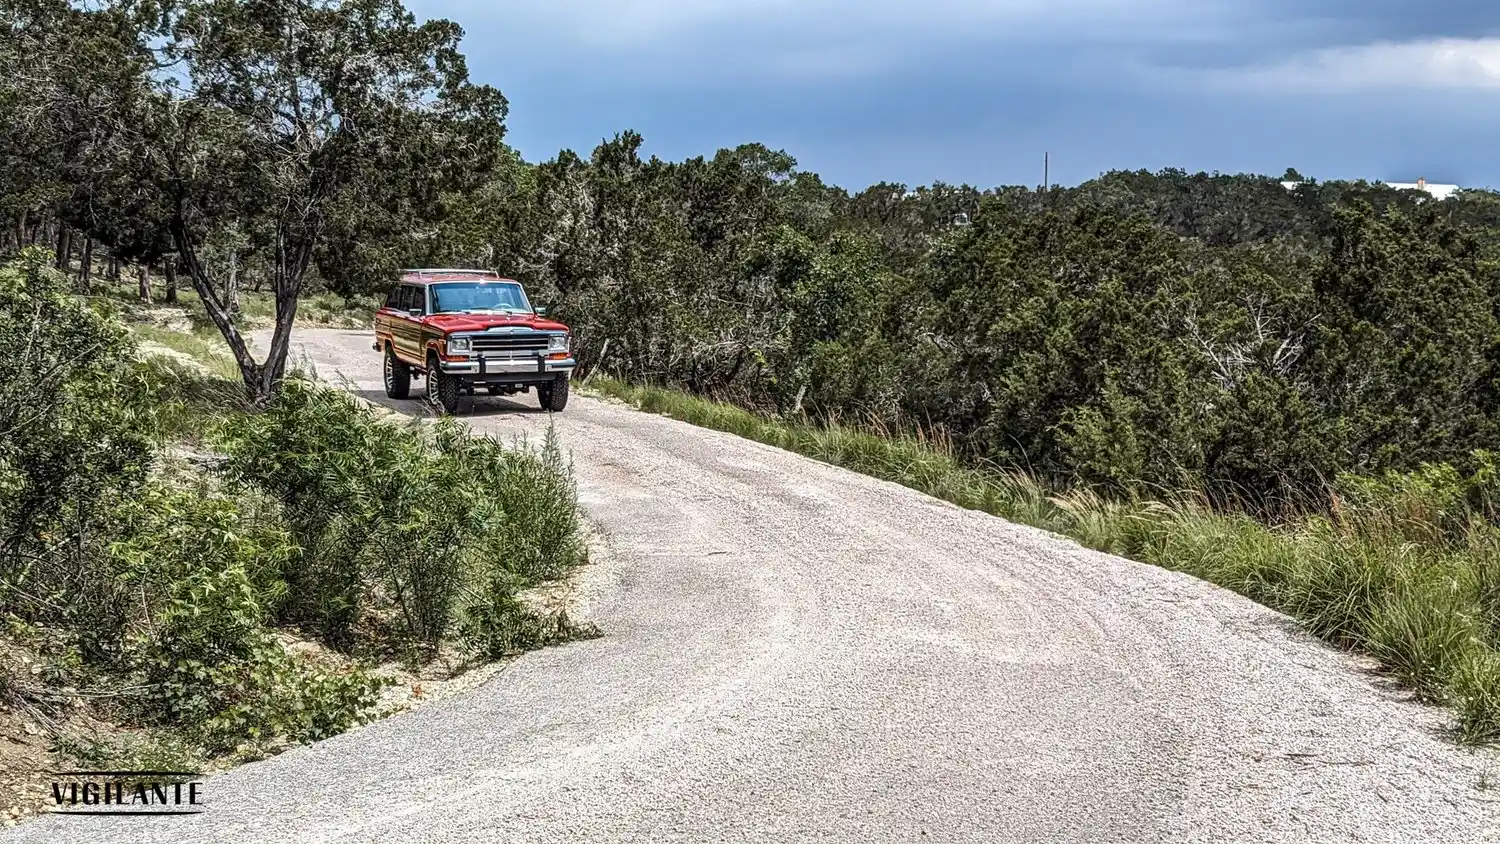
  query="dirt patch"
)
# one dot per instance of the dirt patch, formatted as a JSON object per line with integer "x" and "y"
{"x": 40, "y": 721}
{"x": 25, "y": 758}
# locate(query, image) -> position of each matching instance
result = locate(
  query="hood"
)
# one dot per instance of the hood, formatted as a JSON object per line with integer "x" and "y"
{"x": 448, "y": 323}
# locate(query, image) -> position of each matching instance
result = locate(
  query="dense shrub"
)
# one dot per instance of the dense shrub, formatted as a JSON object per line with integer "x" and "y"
{"x": 208, "y": 571}
{"x": 67, "y": 442}
{"x": 161, "y": 582}
{"x": 1141, "y": 331}
{"x": 420, "y": 523}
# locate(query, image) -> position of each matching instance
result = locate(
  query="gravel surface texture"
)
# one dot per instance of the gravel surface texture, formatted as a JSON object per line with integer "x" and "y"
{"x": 795, "y": 652}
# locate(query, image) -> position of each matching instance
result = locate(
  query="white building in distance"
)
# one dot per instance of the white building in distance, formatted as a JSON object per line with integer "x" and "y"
{"x": 1438, "y": 192}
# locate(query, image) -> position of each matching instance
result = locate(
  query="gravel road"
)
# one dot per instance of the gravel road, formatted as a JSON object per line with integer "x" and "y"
{"x": 794, "y": 652}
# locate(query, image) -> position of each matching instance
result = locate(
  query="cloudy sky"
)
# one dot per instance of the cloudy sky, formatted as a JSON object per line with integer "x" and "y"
{"x": 974, "y": 91}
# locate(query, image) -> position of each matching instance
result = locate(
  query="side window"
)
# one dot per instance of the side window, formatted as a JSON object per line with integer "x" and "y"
{"x": 393, "y": 298}
{"x": 412, "y": 298}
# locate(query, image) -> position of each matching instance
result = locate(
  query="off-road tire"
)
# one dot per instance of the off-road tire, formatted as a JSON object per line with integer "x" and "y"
{"x": 553, "y": 396}
{"x": 397, "y": 376}
{"x": 442, "y": 390}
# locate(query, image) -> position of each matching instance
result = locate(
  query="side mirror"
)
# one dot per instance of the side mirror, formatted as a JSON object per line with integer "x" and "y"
{"x": 541, "y": 311}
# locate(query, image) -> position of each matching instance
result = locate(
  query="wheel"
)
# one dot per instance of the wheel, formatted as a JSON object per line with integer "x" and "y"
{"x": 553, "y": 396}
{"x": 397, "y": 376}
{"x": 442, "y": 390}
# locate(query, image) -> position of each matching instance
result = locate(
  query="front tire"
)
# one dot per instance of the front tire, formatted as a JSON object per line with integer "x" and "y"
{"x": 442, "y": 389}
{"x": 554, "y": 396}
{"x": 397, "y": 376}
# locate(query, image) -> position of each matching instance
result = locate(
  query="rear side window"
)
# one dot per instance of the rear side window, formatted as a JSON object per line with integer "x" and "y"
{"x": 412, "y": 298}
{"x": 393, "y": 298}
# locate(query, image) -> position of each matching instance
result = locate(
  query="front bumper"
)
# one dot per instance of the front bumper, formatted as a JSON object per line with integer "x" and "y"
{"x": 479, "y": 365}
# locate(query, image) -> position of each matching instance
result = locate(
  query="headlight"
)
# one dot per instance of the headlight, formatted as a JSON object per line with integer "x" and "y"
{"x": 558, "y": 343}
{"x": 459, "y": 344}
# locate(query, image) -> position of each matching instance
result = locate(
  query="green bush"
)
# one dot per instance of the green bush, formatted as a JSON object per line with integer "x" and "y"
{"x": 206, "y": 573}
{"x": 67, "y": 438}
{"x": 499, "y": 625}
{"x": 440, "y": 519}
{"x": 338, "y": 474}
{"x": 538, "y": 523}
{"x": 1430, "y": 505}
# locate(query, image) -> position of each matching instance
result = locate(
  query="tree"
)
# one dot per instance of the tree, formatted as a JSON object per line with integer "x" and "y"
{"x": 324, "y": 132}
{"x": 69, "y": 79}
{"x": 1403, "y": 349}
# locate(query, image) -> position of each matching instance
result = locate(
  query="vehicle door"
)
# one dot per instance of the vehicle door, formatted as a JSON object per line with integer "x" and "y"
{"x": 408, "y": 328}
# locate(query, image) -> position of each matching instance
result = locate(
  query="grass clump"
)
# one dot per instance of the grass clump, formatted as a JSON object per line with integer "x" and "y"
{"x": 1404, "y": 567}
{"x": 198, "y": 347}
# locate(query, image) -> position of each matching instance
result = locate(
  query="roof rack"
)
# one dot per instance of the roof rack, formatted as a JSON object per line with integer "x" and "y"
{"x": 445, "y": 271}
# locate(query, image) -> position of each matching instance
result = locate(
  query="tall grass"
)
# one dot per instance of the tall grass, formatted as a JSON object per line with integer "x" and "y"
{"x": 1406, "y": 569}
{"x": 199, "y": 346}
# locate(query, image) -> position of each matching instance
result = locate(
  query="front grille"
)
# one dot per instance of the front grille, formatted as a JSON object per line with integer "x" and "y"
{"x": 531, "y": 342}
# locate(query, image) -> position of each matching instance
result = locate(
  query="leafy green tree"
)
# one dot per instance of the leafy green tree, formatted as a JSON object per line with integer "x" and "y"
{"x": 68, "y": 77}
{"x": 323, "y": 132}
{"x": 1402, "y": 349}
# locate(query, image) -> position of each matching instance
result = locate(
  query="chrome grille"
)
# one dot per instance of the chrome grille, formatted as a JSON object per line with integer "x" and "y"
{"x": 528, "y": 342}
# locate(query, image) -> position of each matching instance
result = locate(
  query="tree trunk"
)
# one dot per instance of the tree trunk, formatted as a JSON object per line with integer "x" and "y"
{"x": 251, "y": 373}
{"x": 112, "y": 270}
{"x": 64, "y": 248}
{"x": 171, "y": 271}
{"x": 143, "y": 284}
{"x": 285, "y": 292}
{"x": 232, "y": 285}
{"x": 261, "y": 380}
{"x": 86, "y": 265}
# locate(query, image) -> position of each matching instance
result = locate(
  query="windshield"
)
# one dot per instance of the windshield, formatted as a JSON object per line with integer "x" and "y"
{"x": 504, "y": 297}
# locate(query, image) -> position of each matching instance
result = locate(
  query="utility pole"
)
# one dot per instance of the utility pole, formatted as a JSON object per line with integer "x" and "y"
{"x": 1046, "y": 171}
